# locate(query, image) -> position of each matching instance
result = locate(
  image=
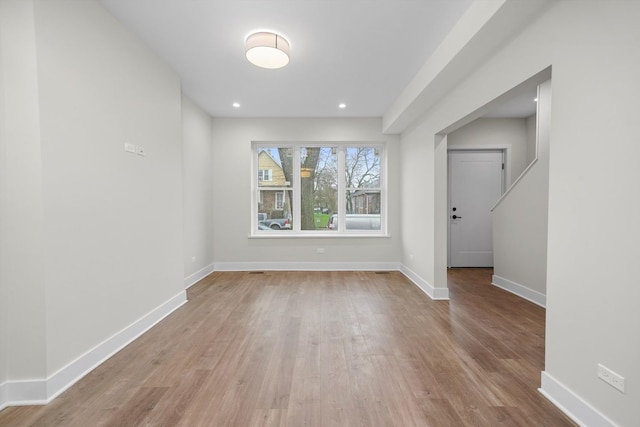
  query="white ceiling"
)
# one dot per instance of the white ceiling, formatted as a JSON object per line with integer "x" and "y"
{"x": 360, "y": 52}
{"x": 516, "y": 106}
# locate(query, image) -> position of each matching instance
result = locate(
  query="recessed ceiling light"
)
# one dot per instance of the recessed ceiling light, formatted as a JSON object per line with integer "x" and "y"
{"x": 267, "y": 50}
{"x": 342, "y": 106}
{"x": 236, "y": 105}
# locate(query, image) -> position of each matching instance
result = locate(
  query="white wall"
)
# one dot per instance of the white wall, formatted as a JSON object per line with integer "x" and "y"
{"x": 4, "y": 291}
{"x": 22, "y": 343}
{"x": 520, "y": 220}
{"x": 493, "y": 132}
{"x": 592, "y": 244}
{"x": 197, "y": 184}
{"x": 531, "y": 140}
{"x": 232, "y": 165}
{"x": 417, "y": 186}
{"x": 592, "y": 290}
{"x": 113, "y": 219}
{"x": 91, "y": 235}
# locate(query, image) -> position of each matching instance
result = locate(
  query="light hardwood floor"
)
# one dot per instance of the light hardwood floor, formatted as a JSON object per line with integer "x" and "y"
{"x": 321, "y": 349}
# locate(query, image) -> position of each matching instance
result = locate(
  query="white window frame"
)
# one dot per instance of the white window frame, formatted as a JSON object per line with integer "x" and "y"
{"x": 295, "y": 188}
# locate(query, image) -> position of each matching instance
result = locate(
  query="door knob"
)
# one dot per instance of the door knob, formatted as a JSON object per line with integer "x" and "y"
{"x": 456, "y": 217}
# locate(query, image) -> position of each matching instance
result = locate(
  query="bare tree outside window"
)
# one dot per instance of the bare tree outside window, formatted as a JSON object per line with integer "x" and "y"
{"x": 362, "y": 174}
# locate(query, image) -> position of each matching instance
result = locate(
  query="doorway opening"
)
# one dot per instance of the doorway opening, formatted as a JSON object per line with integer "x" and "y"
{"x": 490, "y": 127}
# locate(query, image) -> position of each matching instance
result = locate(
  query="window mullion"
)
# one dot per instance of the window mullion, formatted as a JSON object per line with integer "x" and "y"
{"x": 382, "y": 187}
{"x": 341, "y": 190}
{"x": 255, "y": 200}
{"x": 295, "y": 209}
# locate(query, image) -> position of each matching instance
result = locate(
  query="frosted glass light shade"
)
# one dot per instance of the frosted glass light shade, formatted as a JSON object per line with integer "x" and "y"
{"x": 267, "y": 50}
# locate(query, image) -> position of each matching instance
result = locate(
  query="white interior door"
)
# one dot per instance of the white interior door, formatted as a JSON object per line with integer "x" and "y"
{"x": 476, "y": 182}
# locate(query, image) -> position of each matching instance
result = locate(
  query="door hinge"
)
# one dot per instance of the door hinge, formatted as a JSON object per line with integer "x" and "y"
{"x": 503, "y": 166}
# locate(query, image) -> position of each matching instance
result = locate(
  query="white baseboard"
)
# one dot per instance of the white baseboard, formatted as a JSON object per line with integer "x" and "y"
{"x": 571, "y": 404}
{"x": 197, "y": 276}
{"x": 426, "y": 287}
{"x": 4, "y": 395}
{"x": 520, "y": 290}
{"x": 433, "y": 293}
{"x": 22, "y": 393}
{"x": 42, "y": 391}
{"x": 306, "y": 266}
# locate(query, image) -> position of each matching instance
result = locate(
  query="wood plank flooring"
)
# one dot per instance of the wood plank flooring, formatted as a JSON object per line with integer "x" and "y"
{"x": 321, "y": 349}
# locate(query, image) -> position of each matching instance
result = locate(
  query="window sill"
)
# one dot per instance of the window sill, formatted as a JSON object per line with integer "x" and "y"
{"x": 318, "y": 235}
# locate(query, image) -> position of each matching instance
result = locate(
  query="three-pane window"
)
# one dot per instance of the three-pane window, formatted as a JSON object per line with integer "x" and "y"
{"x": 319, "y": 188}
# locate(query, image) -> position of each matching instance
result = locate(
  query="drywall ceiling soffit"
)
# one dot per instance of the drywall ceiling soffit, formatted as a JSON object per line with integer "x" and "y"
{"x": 496, "y": 23}
{"x": 515, "y": 106}
{"x": 517, "y": 102}
{"x": 362, "y": 53}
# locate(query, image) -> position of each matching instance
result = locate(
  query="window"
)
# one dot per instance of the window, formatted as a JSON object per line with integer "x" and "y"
{"x": 280, "y": 200}
{"x": 265, "y": 175}
{"x": 314, "y": 189}
{"x": 362, "y": 170}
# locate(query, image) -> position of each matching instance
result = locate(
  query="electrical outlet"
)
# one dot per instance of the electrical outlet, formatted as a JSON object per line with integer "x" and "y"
{"x": 193, "y": 259}
{"x": 129, "y": 148}
{"x": 140, "y": 151}
{"x": 610, "y": 377}
{"x": 320, "y": 250}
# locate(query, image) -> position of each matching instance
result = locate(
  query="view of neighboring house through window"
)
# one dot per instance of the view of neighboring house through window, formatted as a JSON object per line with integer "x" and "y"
{"x": 319, "y": 188}
{"x": 275, "y": 191}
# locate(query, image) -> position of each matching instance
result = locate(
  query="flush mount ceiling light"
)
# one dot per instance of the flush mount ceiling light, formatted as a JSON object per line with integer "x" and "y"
{"x": 267, "y": 50}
